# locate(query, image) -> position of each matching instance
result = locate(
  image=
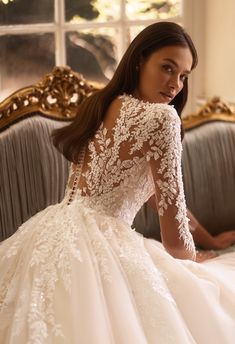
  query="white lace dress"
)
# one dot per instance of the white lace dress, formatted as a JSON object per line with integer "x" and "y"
{"x": 77, "y": 273}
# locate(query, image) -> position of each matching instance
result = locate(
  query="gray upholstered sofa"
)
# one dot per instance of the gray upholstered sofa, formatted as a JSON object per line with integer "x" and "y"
{"x": 33, "y": 174}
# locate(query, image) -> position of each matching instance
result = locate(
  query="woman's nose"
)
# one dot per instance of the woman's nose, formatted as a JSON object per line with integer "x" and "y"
{"x": 175, "y": 83}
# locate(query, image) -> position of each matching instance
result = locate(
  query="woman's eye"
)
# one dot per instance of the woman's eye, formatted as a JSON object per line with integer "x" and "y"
{"x": 184, "y": 77}
{"x": 168, "y": 68}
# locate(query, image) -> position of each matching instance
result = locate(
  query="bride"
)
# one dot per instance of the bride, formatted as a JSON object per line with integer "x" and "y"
{"x": 76, "y": 272}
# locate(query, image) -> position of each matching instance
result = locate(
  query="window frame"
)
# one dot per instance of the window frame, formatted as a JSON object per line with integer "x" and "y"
{"x": 59, "y": 27}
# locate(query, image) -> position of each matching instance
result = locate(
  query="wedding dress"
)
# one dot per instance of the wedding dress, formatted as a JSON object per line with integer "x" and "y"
{"x": 77, "y": 273}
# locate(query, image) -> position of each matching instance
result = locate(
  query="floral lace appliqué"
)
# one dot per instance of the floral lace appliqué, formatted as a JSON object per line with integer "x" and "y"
{"x": 118, "y": 177}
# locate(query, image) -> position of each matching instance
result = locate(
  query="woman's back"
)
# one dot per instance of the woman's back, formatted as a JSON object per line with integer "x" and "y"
{"x": 114, "y": 175}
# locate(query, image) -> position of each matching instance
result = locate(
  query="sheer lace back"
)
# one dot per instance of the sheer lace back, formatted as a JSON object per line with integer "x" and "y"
{"x": 135, "y": 152}
{"x": 111, "y": 154}
{"x": 112, "y": 163}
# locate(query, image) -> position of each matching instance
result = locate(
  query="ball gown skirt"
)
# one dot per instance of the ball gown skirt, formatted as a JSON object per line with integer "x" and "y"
{"x": 73, "y": 275}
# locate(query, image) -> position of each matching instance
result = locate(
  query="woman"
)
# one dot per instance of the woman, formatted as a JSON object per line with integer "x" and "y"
{"x": 76, "y": 272}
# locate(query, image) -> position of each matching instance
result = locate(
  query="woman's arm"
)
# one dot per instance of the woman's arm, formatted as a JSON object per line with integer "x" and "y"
{"x": 207, "y": 241}
{"x": 163, "y": 153}
{"x": 201, "y": 236}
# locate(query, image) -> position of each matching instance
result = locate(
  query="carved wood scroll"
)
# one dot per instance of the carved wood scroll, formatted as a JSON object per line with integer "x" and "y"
{"x": 57, "y": 95}
{"x": 214, "y": 110}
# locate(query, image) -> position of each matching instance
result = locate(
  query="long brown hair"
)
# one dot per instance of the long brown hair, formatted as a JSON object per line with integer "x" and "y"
{"x": 70, "y": 139}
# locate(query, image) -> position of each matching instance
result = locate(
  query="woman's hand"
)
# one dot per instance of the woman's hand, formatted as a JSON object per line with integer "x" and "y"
{"x": 201, "y": 256}
{"x": 205, "y": 240}
{"x": 223, "y": 240}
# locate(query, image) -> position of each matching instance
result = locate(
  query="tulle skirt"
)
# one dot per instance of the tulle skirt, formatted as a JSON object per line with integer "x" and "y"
{"x": 73, "y": 275}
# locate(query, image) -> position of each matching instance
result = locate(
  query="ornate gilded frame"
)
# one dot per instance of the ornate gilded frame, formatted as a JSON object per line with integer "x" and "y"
{"x": 57, "y": 96}
{"x": 214, "y": 110}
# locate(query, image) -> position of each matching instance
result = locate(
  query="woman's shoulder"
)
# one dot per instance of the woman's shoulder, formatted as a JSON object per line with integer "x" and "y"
{"x": 147, "y": 111}
{"x": 138, "y": 115}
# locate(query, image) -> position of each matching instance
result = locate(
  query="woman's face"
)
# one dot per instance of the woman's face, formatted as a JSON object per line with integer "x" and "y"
{"x": 162, "y": 74}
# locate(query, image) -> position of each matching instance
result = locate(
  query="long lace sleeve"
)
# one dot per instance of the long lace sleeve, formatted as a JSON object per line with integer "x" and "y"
{"x": 163, "y": 150}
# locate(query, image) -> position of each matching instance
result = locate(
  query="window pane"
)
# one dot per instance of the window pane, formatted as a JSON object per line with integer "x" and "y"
{"x": 24, "y": 59}
{"x": 78, "y": 11}
{"x": 26, "y": 12}
{"x": 133, "y": 31}
{"x": 93, "y": 53}
{"x": 155, "y": 9}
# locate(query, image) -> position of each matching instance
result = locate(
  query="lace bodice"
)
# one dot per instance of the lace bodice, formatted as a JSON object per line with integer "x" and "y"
{"x": 131, "y": 157}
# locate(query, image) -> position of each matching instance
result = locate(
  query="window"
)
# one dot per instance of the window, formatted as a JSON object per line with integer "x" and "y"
{"x": 88, "y": 35}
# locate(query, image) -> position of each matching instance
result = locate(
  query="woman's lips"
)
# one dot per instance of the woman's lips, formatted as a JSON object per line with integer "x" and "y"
{"x": 166, "y": 96}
